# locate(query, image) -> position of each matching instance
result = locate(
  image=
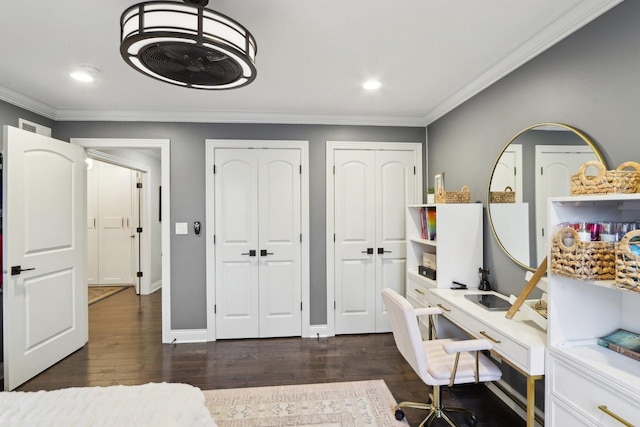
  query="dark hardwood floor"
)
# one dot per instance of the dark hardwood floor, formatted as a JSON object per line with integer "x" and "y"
{"x": 125, "y": 348}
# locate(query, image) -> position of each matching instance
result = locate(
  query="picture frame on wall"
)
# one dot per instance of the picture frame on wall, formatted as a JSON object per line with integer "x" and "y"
{"x": 438, "y": 182}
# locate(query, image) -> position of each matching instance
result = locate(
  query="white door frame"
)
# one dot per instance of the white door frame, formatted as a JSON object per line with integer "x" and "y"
{"x": 332, "y": 146}
{"x": 92, "y": 144}
{"x": 303, "y": 146}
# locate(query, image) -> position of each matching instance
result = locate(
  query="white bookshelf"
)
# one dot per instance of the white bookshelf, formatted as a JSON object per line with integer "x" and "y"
{"x": 457, "y": 246}
{"x": 581, "y": 375}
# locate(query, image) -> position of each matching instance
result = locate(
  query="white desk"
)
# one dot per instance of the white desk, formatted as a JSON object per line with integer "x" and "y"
{"x": 518, "y": 342}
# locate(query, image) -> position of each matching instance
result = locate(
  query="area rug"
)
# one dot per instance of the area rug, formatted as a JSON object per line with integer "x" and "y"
{"x": 97, "y": 293}
{"x": 359, "y": 403}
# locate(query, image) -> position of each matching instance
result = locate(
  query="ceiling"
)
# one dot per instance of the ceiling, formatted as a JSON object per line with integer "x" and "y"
{"x": 312, "y": 58}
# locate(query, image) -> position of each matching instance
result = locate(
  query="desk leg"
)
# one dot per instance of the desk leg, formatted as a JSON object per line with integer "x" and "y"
{"x": 531, "y": 399}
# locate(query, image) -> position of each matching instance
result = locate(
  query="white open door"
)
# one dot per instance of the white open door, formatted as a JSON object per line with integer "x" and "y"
{"x": 44, "y": 223}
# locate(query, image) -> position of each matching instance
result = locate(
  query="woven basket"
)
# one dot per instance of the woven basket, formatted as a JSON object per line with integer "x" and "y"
{"x": 462, "y": 196}
{"x": 606, "y": 182}
{"x": 628, "y": 263}
{"x": 582, "y": 260}
{"x": 506, "y": 196}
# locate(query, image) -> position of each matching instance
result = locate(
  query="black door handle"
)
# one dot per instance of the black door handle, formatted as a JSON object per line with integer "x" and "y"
{"x": 263, "y": 252}
{"x": 16, "y": 269}
{"x": 382, "y": 251}
{"x": 251, "y": 252}
{"x": 369, "y": 251}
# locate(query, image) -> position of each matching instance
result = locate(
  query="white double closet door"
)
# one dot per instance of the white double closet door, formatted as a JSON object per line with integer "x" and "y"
{"x": 111, "y": 224}
{"x": 258, "y": 242}
{"x": 372, "y": 189}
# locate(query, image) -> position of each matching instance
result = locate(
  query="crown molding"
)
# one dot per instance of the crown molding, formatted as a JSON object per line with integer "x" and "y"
{"x": 238, "y": 117}
{"x": 22, "y": 101}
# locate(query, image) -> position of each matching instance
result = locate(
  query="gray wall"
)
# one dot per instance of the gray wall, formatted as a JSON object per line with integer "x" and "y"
{"x": 589, "y": 80}
{"x": 188, "y": 310}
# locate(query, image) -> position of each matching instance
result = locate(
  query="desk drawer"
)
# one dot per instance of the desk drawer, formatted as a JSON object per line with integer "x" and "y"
{"x": 502, "y": 344}
{"x": 417, "y": 291}
{"x": 584, "y": 391}
{"x": 562, "y": 416}
{"x": 417, "y": 296}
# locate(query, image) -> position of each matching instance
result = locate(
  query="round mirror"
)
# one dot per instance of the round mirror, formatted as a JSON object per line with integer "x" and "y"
{"x": 536, "y": 164}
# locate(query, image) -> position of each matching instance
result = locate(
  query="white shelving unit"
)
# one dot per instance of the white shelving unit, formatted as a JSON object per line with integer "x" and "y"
{"x": 583, "y": 377}
{"x": 457, "y": 246}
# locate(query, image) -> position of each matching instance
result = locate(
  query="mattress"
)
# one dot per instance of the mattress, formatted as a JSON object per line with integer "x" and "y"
{"x": 153, "y": 404}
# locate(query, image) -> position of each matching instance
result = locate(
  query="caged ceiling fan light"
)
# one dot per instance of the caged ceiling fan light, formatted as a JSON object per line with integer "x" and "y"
{"x": 188, "y": 45}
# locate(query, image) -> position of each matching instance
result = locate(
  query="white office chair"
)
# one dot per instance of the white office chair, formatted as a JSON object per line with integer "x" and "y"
{"x": 438, "y": 361}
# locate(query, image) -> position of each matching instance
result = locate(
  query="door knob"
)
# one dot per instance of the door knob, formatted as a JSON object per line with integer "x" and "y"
{"x": 251, "y": 252}
{"x": 382, "y": 251}
{"x": 16, "y": 269}
{"x": 369, "y": 251}
{"x": 263, "y": 252}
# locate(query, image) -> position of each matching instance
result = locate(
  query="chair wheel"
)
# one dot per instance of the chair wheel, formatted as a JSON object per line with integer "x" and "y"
{"x": 472, "y": 421}
{"x": 399, "y": 414}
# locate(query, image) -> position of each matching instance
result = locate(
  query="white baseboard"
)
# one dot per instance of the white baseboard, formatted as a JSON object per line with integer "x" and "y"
{"x": 153, "y": 287}
{"x": 182, "y": 336}
{"x": 318, "y": 331}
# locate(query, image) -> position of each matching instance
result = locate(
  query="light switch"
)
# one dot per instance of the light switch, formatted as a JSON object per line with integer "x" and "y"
{"x": 181, "y": 228}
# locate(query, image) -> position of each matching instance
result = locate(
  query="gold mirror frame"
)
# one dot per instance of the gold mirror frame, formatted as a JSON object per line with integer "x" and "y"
{"x": 577, "y": 132}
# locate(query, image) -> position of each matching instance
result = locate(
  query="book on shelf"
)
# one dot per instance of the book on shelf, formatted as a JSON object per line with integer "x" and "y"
{"x": 423, "y": 223}
{"x": 623, "y": 342}
{"x": 431, "y": 223}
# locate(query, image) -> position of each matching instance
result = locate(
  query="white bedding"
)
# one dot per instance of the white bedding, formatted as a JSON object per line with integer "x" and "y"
{"x": 145, "y": 405}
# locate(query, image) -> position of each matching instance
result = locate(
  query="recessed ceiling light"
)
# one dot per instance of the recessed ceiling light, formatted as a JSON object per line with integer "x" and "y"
{"x": 372, "y": 85}
{"x": 86, "y": 73}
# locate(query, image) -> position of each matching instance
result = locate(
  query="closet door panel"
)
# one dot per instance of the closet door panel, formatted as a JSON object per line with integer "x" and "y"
{"x": 279, "y": 242}
{"x": 236, "y": 225}
{"x": 395, "y": 189}
{"x": 354, "y": 268}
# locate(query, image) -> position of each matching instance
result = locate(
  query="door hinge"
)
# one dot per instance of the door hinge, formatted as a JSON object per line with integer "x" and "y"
{"x": 541, "y": 170}
{"x": 334, "y": 169}
{"x": 214, "y": 239}
{"x": 138, "y": 185}
{"x": 139, "y": 274}
{"x": 334, "y": 305}
{"x": 543, "y": 232}
{"x": 139, "y": 230}
{"x": 300, "y": 169}
{"x": 214, "y": 168}
{"x": 215, "y": 309}
{"x": 414, "y": 170}
{"x": 300, "y": 305}
{"x": 515, "y": 171}
{"x": 334, "y": 237}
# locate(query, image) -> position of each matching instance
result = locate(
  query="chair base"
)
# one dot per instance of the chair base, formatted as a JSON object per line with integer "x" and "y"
{"x": 436, "y": 411}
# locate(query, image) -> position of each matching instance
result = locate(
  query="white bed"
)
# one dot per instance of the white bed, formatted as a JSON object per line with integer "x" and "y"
{"x": 153, "y": 404}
